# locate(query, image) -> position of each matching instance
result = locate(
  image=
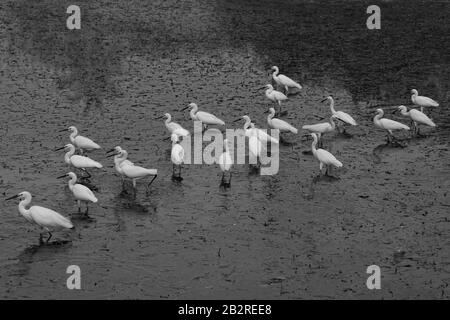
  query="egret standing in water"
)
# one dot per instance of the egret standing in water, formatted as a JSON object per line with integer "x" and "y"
{"x": 80, "y": 192}
{"x": 118, "y": 161}
{"x": 324, "y": 157}
{"x": 81, "y": 142}
{"x": 129, "y": 170}
{"x": 174, "y": 127}
{"x": 77, "y": 161}
{"x": 422, "y": 101}
{"x": 47, "y": 219}
{"x": 341, "y": 115}
{"x": 262, "y": 135}
{"x": 321, "y": 128}
{"x": 177, "y": 157}
{"x": 417, "y": 117}
{"x": 225, "y": 163}
{"x": 279, "y": 124}
{"x": 388, "y": 124}
{"x": 274, "y": 95}
{"x": 205, "y": 117}
{"x": 283, "y": 81}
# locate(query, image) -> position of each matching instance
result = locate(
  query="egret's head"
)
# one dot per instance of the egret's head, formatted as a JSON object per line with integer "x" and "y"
{"x": 192, "y": 105}
{"x": 21, "y": 196}
{"x": 72, "y": 175}
{"x": 402, "y": 108}
{"x": 314, "y": 136}
{"x": 246, "y": 118}
{"x": 272, "y": 111}
{"x": 269, "y": 86}
{"x": 72, "y": 129}
{"x": 414, "y": 91}
{"x": 274, "y": 68}
{"x": 167, "y": 115}
{"x": 380, "y": 111}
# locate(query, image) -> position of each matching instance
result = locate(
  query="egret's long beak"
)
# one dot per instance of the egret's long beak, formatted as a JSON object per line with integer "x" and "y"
{"x": 111, "y": 155}
{"x": 184, "y": 108}
{"x": 13, "y": 197}
{"x": 324, "y": 100}
{"x": 395, "y": 111}
{"x": 238, "y": 119}
{"x": 60, "y": 148}
{"x": 63, "y": 130}
{"x": 263, "y": 87}
{"x": 63, "y": 176}
{"x": 109, "y": 151}
{"x": 160, "y": 117}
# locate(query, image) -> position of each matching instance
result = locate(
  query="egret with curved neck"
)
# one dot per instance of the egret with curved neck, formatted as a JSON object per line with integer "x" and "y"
{"x": 284, "y": 81}
{"x": 324, "y": 157}
{"x": 47, "y": 219}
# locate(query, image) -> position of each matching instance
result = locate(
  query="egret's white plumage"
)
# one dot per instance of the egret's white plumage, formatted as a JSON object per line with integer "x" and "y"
{"x": 81, "y": 142}
{"x": 204, "y": 117}
{"x": 321, "y": 128}
{"x": 324, "y": 157}
{"x": 279, "y": 124}
{"x": 78, "y": 161}
{"x": 225, "y": 160}
{"x": 388, "y": 124}
{"x": 263, "y": 136}
{"x": 129, "y": 170}
{"x": 284, "y": 81}
{"x": 274, "y": 95}
{"x": 416, "y": 116}
{"x": 80, "y": 192}
{"x": 422, "y": 101}
{"x": 46, "y": 218}
{"x": 255, "y": 146}
{"x": 177, "y": 155}
{"x": 341, "y": 115}
{"x": 174, "y": 127}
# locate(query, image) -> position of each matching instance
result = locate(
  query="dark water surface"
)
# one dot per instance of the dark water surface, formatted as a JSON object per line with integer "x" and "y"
{"x": 292, "y": 235}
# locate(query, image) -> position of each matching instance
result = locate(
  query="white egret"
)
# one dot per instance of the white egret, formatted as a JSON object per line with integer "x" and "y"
{"x": 225, "y": 163}
{"x": 341, "y": 115}
{"x": 81, "y": 142}
{"x": 205, "y": 117}
{"x": 279, "y": 124}
{"x": 174, "y": 127}
{"x": 80, "y": 192}
{"x": 118, "y": 161}
{"x": 77, "y": 161}
{"x": 422, "y": 101}
{"x": 388, "y": 124}
{"x": 282, "y": 80}
{"x": 177, "y": 157}
{"x": 321, "y": 128}
{"x": 255, "y": 148}
{"x": 262, "y": 135}
{"x": 47, "y": 219}
{"x": 324, "y": 157}
{"x": 417, "y": 117}
{"x": 129, "y": 170}
{"x": 274, "y": 95}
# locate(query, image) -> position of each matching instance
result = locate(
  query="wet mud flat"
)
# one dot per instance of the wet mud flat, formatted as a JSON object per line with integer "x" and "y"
{"x": 294, "y": 235}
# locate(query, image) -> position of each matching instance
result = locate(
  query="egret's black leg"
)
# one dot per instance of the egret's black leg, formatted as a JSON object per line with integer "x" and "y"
{"x": 154, "y": 177}
{"x": 50, "y": 235}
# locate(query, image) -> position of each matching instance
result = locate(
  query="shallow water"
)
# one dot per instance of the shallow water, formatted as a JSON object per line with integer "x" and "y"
{"x": 289, "y": 236}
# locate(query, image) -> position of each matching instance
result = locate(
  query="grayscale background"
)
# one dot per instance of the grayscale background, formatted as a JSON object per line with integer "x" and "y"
{"x": 290, "y": 236}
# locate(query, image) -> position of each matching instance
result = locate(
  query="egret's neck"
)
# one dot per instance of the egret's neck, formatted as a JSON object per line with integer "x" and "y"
{"x": 169, "y": 119}
{"x": 193, "y": 111}
{"x": 69, "y": 154}
{"x": 72, "y": 182}
{"x": 405, "y": 112}
{"x": 73, "y": 135}
{"x": 22, "y": 207}
{"x": 378, "y": 116}
{"x": 313, "y": 145}
{"x": 332, "y": 106}
{"x": 247, "y": 124}
{"x": 276, "y": 72}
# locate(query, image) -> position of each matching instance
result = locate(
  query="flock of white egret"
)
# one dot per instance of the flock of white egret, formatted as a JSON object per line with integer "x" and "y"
{"x": 51, "y": 220}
